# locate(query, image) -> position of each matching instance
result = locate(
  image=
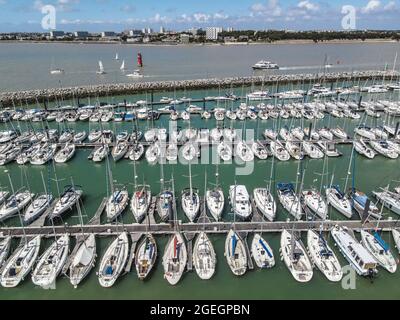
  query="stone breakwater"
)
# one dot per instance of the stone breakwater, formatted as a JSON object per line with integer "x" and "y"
{"x": 8, "y": 99}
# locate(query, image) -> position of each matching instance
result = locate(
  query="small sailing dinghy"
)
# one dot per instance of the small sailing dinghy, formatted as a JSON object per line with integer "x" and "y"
{"x": 358, "y": 257}
{"x": 83, "y": 261}
{"x": 262, "y": 253}
{"x": 146, "y": 257}
{"x": 20, "y": 263}
{"x": 116, "y": 204}
{"x": 204, "y": 257}
{"x": 15, "y": 204}
{"x": 114, "y": 261}
{"x": 379, "y": 249}
{"x": 295, "y": 257}
{"x": 37, "y": 208}
{"x": 235, "y": 254}
{"x": 101, "y": 69}
{"x": 174, "y": 259}
{"x": 5, "y": 245}
{"x": 323, "y": 256}
{"x": 51, "y": 263}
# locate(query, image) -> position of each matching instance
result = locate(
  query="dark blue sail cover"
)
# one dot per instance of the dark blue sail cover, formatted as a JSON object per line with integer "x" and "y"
{"x": 381, "y": 242}
{"x": 265, "y": 248}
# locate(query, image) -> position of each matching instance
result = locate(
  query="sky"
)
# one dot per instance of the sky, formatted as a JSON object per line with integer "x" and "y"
{"x": 118, "y": 15}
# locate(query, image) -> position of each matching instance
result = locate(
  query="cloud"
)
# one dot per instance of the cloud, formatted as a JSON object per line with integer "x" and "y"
{"x": 307, "y": 5}
{"x": 372, "y": 6}
{"x": 271, "y": 8}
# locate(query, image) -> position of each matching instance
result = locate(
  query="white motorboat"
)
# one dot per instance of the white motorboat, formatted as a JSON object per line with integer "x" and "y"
{"x": 361, "y": 147}
{"x": 289, "y": 200}
{"x": 295, "y": 257}
{"x": 215, "y": 200}
{"x": 243, "y": 152}
{"x": 37, "y": 208}
{"x": 140, "y": 202}
{"x": 135, "y": 74}
{"x": 174, "y": 259}
{"x": 204, "y": 257}
{"x": 116, "y": 204}
{"x": 262, "y": 253}
{"x": 383, "y": 148}
{"x": 390, "y": 200}
{"x": 20, "y": 263}
{"x": 379, "y": 249}
{"x": 265, "y": 202}
{"x": 100, "y": 153}
{"x": 65, "y": 154}
{"x": 279, "y": 152}
{"x": 15, "y": 204}
{"x": 51, "y": 263}
{"x": 316, "y": 203}
{"x": 120, "y": 149}
{"x": 259, "y": 150}
{"x": 224, "y": 151}
{"x": 265, "y": 65}
{"x": 146, "y": 256}
{"x": 114, "y": 261}
{"x": 240, "y": 201}
{"x": 235, "y": 254}
{"x": 68, "y": 200}
{"x": 313, "y": 151}
{"x": 83, "y": 261}
{"x": 340, "y": 201}
{"x": 323, "y": 256}
{"x": 358, "y": 257}
{"x": 136, "y": 152}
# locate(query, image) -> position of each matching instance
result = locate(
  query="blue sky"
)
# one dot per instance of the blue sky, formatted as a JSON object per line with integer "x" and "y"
{"x": 117, "y": 15}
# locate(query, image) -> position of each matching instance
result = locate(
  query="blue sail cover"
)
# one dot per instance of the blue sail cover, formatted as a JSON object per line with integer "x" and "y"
{"x": 285, "y": 187}
{"x": 337, "y": 188}
{"x": 362, "y": 200}
{"x": 381, "y": 242}
{"x": 234, "y": 244}
{"x": 265, "y": 248}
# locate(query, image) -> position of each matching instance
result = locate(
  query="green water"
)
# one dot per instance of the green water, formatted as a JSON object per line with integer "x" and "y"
{"x": 266, "y": 284}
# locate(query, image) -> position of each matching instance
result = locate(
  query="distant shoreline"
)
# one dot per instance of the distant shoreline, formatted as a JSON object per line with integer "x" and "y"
{"x": 279, "y": 42}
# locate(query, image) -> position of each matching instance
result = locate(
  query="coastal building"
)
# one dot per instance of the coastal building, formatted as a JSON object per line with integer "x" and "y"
{"x": 194, "y": 31}
{"x": 147, "y": 30}
{"x": 135, "y": 33}
{"x": 81, "y": 34}
{"x": 162, "y": 30}
{"x": 213, "y": 32}
{"x": 185, "y": 38}
{"x": 230, "y": 29}
{"x": 57, "y": 34}
{"x": 108, "y": 34}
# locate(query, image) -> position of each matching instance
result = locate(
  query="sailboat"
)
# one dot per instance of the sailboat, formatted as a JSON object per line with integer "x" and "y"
{"x": 146, "y": 257}
{"x": 262, "y": 253}
{"x": 166, "y": 198}
{"x": 235, "y": 253}
{"x": 323, "y": 256}
{"x": 190, "y": 199}
{"x": 114, "y": 261}
{"x": 122, "y": 68}
{"x": 379, "y": 249}
{"x": 20, "y": 263}
{"x": 174, "y": 259}
{"x": 215, "y": 200}
{"x": 141, "y": 198}
{"x": 101, "y": 68}
{"x": 83, "y": 261}
{"x": 5, "y": 245}
{"x": 51, "y": 263}
{"x": 116, "y": 204}
{"x": 204, "y": 257}
{"x": 116, "y": 56}
{"x": 295, "y": 256}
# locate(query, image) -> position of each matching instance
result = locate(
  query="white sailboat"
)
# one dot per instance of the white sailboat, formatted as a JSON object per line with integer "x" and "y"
{"x": 68, "y": 200}
{"x": 240, "y": 201}
{"x": 289, "y": 200}
{"x": 215, "y": 200}
{"x": 20, "y": 263}
{"x": 190, "y": 199}
{"x": 235, "y": 253}
{"x": 379, "y": 249}
{"x": 5, "y": 245}
{"x": 114, "y": 261}
{"x": 315, "y": 202}
{"x": 122, "y": 68}
{"x": 323, "y": 256}
{"x": 146, "y": 257}
{"x": 15, "y": 204}
{"x": 262, "y": 253}
{"x": 51, "y": 263}
{"x": 116, "y": 204}
{"x": 295, "y": 257}
{"x": 101, "y": 69}
{"x": 83, "y": 261}
{"x": 174, "y": 259}
{"x": 204, "y": 257}
{"x": 396, "y": 237}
